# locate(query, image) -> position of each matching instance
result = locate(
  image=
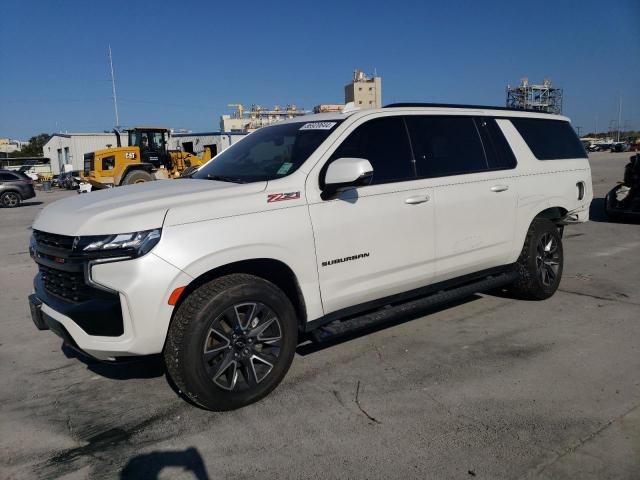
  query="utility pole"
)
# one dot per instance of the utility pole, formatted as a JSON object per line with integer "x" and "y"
{"x": 596, "y": 132}
{"x": 619, "y": 114}
{"x": 113, "y": 90}
{"x": 611, "y": 123}
{"x": 578, "y": 127}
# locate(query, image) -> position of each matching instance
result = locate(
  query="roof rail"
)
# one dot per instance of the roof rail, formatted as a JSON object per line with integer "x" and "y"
{"x": 454, "y": 105}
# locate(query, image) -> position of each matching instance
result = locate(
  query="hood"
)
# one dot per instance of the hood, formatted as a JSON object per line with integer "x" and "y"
{"x": 133, "y": 207}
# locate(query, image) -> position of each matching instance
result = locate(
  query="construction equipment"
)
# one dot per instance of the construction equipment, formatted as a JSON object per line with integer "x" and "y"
{"x": 145, "y": 159}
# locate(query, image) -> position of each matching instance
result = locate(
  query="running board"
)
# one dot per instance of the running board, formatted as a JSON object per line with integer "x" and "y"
{"x": 381, "y": 316}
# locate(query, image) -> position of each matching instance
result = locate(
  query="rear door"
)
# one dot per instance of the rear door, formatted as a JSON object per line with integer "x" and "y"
{"x": 474, "y": 190}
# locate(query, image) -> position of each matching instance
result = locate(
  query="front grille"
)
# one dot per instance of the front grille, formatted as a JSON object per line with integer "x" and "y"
{"x": 63, "y": 242}
{"x": 67, "y": 285}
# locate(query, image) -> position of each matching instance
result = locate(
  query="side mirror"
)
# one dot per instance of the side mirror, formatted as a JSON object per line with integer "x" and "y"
{"x": 348, "y": 172}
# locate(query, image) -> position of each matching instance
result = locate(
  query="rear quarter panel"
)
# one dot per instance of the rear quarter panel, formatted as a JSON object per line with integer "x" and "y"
{"x": 543, "y": 184}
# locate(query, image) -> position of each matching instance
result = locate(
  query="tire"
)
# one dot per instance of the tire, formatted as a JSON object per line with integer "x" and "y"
{"x": 231, "y": 342}
{"x": 188, "y": 171}
{"x": 137, "y": 176}
{"x": 540, "y": 263}
{"x": 10, "y": 199}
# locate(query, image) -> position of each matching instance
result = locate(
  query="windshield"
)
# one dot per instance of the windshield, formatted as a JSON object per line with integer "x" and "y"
{"x": 268, "y": 153}
{"x": 149, "y": 140}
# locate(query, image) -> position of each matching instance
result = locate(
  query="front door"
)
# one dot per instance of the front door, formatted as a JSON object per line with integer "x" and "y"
{"x": 373, "y": 241}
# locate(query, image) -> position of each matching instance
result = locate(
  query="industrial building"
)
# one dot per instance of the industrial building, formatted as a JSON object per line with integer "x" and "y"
{"x": 364, "y": 91}
{"x": 243, "y": 120}
{"x": 542, "y": 98}
{"x": 196, "y": 142}
{"x": 69, "y": 148}
{"x": 9, "y": 145}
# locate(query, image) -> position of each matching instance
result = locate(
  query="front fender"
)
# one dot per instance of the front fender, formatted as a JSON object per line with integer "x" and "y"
{"x": 284, "y": 235}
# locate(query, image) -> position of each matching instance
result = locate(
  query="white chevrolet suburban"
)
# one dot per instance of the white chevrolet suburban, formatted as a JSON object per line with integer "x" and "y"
{"x": 306, "y": 224}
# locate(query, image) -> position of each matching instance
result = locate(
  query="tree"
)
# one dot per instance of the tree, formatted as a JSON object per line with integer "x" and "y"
{"x": 34, "y": 147}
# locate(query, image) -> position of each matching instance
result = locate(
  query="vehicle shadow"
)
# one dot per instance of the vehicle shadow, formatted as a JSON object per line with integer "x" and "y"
{"x": 597, "y": 213}
{"x": 31, "y": 204}
{"x": 149, "y": 466}
{"x": 386, "y": 318}
{"x": 150, "y": 366}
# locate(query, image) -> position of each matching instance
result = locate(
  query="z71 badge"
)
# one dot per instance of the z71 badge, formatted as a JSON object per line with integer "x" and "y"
{"x": 279, "y": 197}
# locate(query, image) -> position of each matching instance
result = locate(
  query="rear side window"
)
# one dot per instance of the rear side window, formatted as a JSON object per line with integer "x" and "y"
{"x": 8, "y": 177}
{"x": 384, "y": 142}
{"x": 497, "y": 149}
{"x": 445, "y": 145}
{"x": 550, "y": 139}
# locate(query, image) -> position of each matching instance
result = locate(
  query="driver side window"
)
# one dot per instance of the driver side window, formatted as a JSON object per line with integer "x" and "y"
{"x": 384, "y": 142}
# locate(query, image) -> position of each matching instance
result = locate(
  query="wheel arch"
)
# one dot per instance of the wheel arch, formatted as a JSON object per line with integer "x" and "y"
{"x": 147, "y": 167}
{"x": 555, "y": 214}
{"x": 272, "y": 270}
{"x": 551, "y": 211}
{"x": 8, "y": 189}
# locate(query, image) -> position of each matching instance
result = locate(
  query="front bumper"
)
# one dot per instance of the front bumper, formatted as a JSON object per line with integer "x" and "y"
{"x": 139, "y": 307}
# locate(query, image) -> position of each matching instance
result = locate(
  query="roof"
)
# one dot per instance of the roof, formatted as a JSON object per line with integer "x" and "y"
{"x": 202, "y": 134}
{"x": 457, "y": 105}
{"x": 83, "y": 134}
{"x": 147, "y": 127}
{"x": 445, "y": 108}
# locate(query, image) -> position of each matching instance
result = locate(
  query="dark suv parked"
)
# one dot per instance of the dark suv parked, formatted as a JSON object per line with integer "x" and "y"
{"x": 15, "y": 187}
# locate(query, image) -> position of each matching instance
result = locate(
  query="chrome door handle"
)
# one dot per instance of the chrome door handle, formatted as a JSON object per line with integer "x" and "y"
{"x": 499, "y": 188}
{"x": 417, "y": 199}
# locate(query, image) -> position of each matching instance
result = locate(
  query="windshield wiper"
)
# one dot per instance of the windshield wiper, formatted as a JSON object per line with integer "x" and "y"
{"x": 223, "y": 178}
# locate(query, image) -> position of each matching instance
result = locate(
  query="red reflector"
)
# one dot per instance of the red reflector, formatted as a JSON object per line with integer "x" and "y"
{"x": 175, "y": 295}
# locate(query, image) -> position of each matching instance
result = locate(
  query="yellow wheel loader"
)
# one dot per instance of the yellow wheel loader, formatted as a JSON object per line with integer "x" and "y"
{"x": 147, "y": 158}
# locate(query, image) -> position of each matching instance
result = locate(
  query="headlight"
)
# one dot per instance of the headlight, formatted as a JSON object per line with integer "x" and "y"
{"x": 135, "y": 243}
{"x": 32, "y": 246}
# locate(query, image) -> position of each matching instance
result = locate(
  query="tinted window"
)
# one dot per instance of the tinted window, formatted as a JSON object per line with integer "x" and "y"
{"x": 550, "y": 139}
{"x": 497, "y": 149}
{"x": 384, "y": 143}
{"x": 445, "y": 145}
{"x": 268, "y": 153}
{"x": 8, "y": 177}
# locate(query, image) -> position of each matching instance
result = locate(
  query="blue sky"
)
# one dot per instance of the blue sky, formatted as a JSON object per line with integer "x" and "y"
{"x": 180, "y": 63}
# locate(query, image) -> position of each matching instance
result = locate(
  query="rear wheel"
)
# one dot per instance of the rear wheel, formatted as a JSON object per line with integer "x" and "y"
{"x": 137, "y": 176}
{"x": 231, "y": 342}
{"x": 540, "y": 263}
{"x": 10, "y": 199}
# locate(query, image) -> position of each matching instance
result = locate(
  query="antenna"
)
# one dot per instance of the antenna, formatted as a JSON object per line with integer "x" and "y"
{"x": 113, "y": 90}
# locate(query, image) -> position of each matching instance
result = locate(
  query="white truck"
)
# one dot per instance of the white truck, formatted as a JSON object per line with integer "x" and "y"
{"x": 302, "y": 226}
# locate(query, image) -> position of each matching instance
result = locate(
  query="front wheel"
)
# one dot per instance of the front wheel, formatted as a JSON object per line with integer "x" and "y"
{"x": 231, "y": 342}
{"x": 10, "y": 199}
{"x": 540, "y": 262}
{"x": 137, "y": 176}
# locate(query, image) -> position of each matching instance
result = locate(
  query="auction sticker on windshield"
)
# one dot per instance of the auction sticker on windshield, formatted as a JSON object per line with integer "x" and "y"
{"x": 318, "y": 126}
